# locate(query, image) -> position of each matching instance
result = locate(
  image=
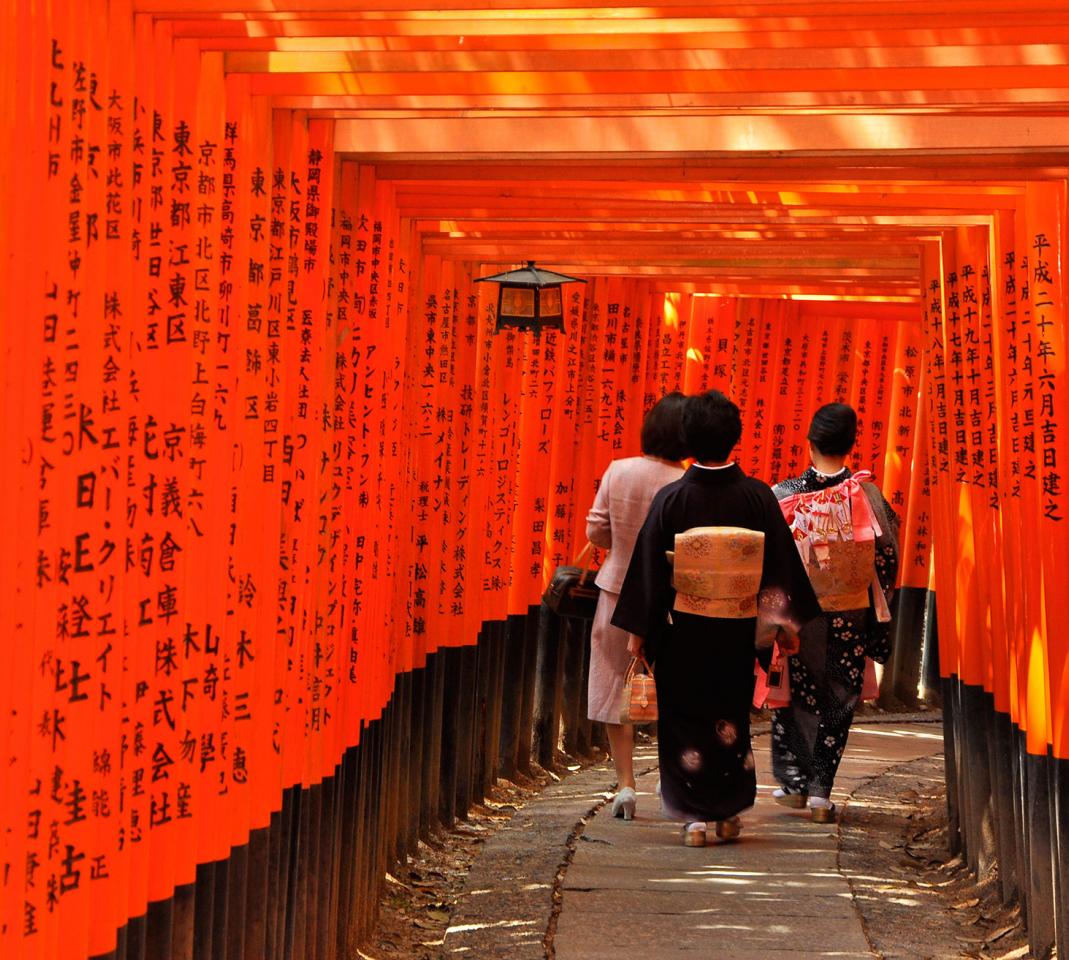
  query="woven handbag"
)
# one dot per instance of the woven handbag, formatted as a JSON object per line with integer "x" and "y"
{"x": 572, "y": 591}
{"x": 638, "y": 702}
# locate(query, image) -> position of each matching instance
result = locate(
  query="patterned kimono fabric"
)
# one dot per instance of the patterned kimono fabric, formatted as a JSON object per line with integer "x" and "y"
{"x": 809, "y": 736}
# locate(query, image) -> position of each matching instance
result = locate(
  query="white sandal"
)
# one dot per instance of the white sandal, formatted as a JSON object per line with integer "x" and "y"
{"x": 694, "y": 834}
{"x": 788, "y": 797}
{"x": 822, "y": 812}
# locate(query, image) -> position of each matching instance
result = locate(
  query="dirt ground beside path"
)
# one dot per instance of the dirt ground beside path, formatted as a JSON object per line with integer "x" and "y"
{"x": 419, "y": 901}
{"x": 918, "y": 902}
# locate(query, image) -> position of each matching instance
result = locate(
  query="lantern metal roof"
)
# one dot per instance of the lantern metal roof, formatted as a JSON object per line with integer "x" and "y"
{"x": 531, "y": 276}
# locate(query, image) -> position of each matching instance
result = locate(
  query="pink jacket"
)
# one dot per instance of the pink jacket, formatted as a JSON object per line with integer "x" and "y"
{"x": 620, "y": 507}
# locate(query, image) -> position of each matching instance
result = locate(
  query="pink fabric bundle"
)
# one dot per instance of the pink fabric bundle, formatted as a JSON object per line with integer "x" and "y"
{"x": 835, "y": 531}
{"x": 842, "y": 512}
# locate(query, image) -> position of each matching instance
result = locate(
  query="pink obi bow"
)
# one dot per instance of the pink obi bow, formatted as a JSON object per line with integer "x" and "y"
{"x": 842, "y": 512}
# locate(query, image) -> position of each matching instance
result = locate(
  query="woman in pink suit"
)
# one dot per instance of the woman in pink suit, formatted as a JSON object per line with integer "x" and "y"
{"x": 619, "y": 510}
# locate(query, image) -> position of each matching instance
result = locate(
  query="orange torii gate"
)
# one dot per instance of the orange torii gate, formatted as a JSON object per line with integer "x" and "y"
{"x": 282, "y": 505}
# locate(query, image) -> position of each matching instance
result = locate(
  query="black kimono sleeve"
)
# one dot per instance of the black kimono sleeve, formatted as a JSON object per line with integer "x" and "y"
{"x": 647, "y": 593}
{"x": 786, "y": 593}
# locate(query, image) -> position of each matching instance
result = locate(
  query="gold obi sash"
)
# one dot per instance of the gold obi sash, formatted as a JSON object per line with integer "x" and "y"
{"x": 841, "y": 578}
{"x": 717, "y": 571}
{"x": 834, "y": 530}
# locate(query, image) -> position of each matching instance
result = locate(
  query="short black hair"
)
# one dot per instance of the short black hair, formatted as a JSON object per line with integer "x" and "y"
{"x": 834, "y": 429}
{"x": 711, "y": 426}
{"x": 662, "y": 430}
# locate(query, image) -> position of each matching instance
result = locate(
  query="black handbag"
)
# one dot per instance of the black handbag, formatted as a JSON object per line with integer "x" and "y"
{"x": 572, "y": 591}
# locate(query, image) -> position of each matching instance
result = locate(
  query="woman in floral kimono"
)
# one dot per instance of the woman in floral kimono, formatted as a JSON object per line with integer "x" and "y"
{"x": 809, "y": 735}
{"x": 703, "y": 640}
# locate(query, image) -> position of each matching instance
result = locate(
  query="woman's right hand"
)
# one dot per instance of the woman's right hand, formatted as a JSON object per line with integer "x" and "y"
{"x": 635, "y": 645}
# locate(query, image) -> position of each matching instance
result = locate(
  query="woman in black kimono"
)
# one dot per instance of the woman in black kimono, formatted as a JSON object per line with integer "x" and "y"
{"x": 809, "y": 735}
{"x": 705, "y": 665}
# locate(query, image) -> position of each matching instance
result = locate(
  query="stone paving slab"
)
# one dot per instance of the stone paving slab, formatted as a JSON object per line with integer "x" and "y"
{"x": 791, "y": 836}
{"x": 508, "y": 897}
{"x": 584, "y": 876}
{"x": 725, "y": 949}
{"x": 782, "y": 856}
{"x": 729, "y": 947}
{"x": 624, "y": 902}
{"x": 633, "y": 890}
{"x": 766, "y": 929}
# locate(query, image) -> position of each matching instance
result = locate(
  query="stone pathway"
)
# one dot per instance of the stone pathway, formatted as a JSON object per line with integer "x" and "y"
{"x": 633, "y": 890}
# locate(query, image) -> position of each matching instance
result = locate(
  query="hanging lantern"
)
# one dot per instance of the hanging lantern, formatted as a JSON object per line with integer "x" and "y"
{"x": 530, "y": 299}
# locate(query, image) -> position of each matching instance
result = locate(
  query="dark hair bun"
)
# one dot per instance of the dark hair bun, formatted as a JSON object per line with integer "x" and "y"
{"x": 834, "y": 429}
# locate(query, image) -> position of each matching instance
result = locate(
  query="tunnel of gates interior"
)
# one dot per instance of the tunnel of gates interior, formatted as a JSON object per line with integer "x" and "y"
{"x": 280, "y": 504}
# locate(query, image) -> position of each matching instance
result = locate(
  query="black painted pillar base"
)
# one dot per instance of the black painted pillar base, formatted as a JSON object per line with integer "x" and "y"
{"x": 1040, "y": 911}
{"x": 451, "y": 694}
{"x": 511, "y": 696}
{"x": 1059, "y": 768}
{"x": 549, "y": 681}
{"x": 931, "y": 681}
{"x": 307, "y": 886}
{"x": 466, "y": 728}
{"x": 901, "y": 677}
{"x": 974, "y": 735}
{"x": 1000, "y": 752}
{"x": 573, "y": 679}
{"x": 530, "y": 666}
{"x": 950, "y": 766}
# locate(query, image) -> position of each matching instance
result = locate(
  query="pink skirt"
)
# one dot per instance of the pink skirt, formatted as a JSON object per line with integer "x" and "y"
{"x": 608, "y": 662}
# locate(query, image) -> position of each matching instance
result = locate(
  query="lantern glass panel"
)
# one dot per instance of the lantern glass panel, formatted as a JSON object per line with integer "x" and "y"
{"x": 549, "y": 304}
{"x": 517, "y": 302}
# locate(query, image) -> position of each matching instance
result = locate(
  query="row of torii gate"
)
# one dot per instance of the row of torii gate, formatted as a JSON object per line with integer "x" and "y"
{"x": 282, "y": 503}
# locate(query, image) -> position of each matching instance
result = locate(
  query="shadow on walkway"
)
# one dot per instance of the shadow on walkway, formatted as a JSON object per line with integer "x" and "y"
{"x": 632, "y": 890}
